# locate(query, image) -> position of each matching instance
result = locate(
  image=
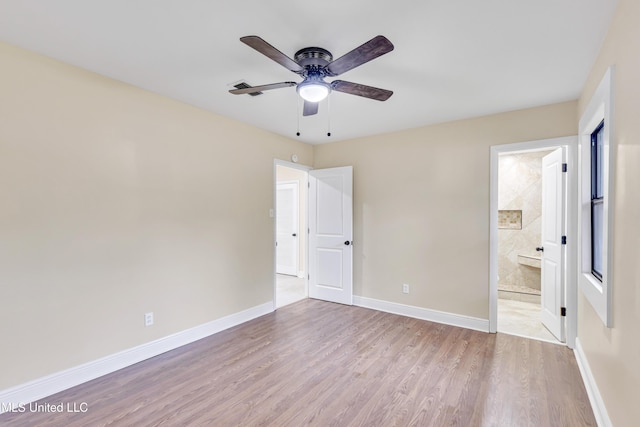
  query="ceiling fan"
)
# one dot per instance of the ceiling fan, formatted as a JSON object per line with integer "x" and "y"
{"x": 314, "y": 64}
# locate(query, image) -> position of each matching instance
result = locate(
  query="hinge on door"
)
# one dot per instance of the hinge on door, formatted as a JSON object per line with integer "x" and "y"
{"x": 564, "y": 240}
{"x": 564, "y": 167}
{"x": 563, "y": 311}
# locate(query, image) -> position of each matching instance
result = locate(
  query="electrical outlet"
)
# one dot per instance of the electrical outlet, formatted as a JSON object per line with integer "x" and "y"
{"x": 405, "y": 289}
{"x": 148, "y": 319}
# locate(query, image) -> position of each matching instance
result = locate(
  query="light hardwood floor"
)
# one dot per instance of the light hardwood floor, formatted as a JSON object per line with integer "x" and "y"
{"x": 324, "y": 364}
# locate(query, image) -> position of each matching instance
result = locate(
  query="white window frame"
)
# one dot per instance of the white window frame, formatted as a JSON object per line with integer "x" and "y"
{"x": 600, "y": 108}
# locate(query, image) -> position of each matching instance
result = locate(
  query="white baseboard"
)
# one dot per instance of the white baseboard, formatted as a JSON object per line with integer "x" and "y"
{"x": 423, "y": 313}
{"x": 597, "y": 404}
{"x": 54, "y": 383}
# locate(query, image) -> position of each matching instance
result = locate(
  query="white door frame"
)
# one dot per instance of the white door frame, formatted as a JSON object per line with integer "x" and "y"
{"x": 305, "y": 215}
{"x": 571, "y": 220}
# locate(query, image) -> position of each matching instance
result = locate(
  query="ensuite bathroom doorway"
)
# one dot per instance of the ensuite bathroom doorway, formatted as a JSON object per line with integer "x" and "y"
{"x": 519, "y": 244}
{"x": 533, "y": 244}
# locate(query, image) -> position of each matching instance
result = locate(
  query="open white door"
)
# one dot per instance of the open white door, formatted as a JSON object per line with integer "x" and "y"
{"x": 552, "y": 248}
{"x": 331, "y": 234}
{"x": 287, "y": 228}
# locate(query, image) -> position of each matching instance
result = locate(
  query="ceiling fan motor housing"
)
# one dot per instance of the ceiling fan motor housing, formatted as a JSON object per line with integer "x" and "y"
{"x": 312, "y": 57}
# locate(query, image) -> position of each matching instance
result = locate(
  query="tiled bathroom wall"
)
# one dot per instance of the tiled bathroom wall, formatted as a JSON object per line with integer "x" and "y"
{"x": 519, "y": 220}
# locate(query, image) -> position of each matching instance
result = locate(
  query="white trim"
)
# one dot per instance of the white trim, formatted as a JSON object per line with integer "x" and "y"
{"x": 600, "y": 108}
{"x": 423, "y": 313}
{"x": 570, "y": 296}
{"x": 59, "y": 381}
{"x": 597, "y": 404}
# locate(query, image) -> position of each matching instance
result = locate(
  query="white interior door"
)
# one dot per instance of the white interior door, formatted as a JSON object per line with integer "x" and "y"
{"x": 331, "y": 234}
{"x": 287, "y": 249}
{"x": 553, "y": 253}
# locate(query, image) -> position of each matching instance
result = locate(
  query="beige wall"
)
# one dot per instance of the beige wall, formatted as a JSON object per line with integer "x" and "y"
{"x": 614, "y": 354}
{"x": 421, "y": 206}
{"x": 114, "y": 202}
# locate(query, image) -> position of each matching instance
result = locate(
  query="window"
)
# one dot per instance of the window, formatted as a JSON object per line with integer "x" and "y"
{"x": 595, "y": 211}
{"x": 597, "y": 201}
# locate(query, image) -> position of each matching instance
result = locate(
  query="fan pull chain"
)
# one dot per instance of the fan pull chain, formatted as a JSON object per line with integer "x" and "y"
{"x": 298, "y": 114}
{"x": 328, "y": 116}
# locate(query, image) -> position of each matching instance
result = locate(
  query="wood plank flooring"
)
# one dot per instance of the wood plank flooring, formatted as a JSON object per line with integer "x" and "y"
{"x": 323, "y": 364}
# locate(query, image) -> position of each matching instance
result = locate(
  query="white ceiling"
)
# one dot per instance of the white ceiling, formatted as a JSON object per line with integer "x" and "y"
{"x": 453, "y": 59}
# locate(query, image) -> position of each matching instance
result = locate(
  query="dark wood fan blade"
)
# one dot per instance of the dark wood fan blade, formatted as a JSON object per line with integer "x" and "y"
{"x": 361, "y": 90}
{"x": 372, "y": 49}
{"x": 254, "y": 89}
{"x": 266, "y": 49}
{"x": 310, "y": 108}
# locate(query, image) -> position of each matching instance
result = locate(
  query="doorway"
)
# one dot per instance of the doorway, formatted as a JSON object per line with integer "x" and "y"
{"x": 290, "y": 217}
{"x": 517, "y": 275}
{"x": 520, "y": 214}
{"x": 323, "y": 238}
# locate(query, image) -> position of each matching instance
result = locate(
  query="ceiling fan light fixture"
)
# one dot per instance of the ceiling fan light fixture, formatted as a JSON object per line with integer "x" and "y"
{"x": 313, "y": 91}
{"x": 314, "y": 64}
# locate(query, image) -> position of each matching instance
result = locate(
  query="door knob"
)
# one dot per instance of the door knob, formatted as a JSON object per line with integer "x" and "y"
{"x": 294, "y": 234}
{"x": 540, "y": 249}
{"x": 347, "y": 242}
